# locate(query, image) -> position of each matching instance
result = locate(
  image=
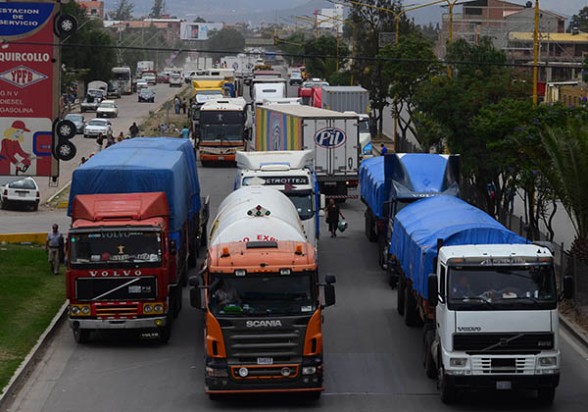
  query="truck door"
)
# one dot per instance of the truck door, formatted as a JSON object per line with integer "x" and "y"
{"x": 330, "y": 147}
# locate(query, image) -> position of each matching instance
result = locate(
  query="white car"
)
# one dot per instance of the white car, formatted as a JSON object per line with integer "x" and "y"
{"x": 141, "y": 84}
{"x": 23, "y": 192}
{"x": 150, "y": 78}
{"x": 107, "y": 108}
{"x": 96, "y": 126}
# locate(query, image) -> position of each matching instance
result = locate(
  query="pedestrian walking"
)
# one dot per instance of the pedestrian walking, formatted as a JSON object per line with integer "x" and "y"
{"x": 185, "y": 132}
{"x": 100, "y": 141}
{"x": 134, "y": 130}
{"x": 54, "y": 246}
{"x": 333, "y": 213}
{"x": 183, "y": 105}
{"x": 177, "y": 105}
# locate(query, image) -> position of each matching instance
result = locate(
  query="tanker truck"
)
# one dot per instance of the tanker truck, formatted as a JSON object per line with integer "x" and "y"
{"x": 134, "y": 233}
{"x": 292, "y": 173}
{"x": 487, "y": 299}
{"x": 262, "y": 300}
{"x": 391, "y": 182}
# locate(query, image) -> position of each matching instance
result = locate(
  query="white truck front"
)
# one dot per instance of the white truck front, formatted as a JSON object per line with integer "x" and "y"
{"x": 496, "y": 320}
{"x": 290, "y": 172}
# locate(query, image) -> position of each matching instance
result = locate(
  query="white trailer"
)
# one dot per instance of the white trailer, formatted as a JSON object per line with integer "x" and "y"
{"x": 292, "y": 173}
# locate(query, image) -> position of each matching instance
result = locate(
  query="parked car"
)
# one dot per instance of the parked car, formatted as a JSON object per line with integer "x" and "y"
{"x": 97, "y": 126}
{"x": 23, "y": 192}
{"x": 146, "y": 95}
{"x": 78, "y": 120}
{"x": 107, "y": 108}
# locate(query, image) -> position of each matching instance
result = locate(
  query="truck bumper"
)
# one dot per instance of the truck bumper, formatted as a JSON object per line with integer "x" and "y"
{"x": 144, "y": 323}
{"x": 205, "y": 157}
{"x": 504, "y": 381}
{"x": 240, "y": 378}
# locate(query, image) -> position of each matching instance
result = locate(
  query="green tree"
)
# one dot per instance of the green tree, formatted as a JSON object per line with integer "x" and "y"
{"x": 452, "y": 103}
{"x": 566, "y": 168}
{"x": 199, "y": 20}
{"x": 90, "y": 51}
{"x": 123, "y": 10}
{"x": 406, "y": 65}
{"x": 226, "y": 40}
{"x": 292, "y": 47}
{"x": 322, "y": 54}
{"x": 157, "y": 9}
{"x": 580, "y": 20}
{"x": 367, "y": 68}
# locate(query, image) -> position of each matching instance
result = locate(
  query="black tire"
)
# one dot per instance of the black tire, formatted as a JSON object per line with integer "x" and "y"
{"x": 165, "y": 332}
{"x": 81, "y": 336}
{"x": 65, "y": 151}
{"x": 176, "y": 304}
{"x": 65, "y": 129}
{"x": 546, "y": 395}
{"x": 400, "y": 297}
{"x": 313, "y": 396}
{"x": 382, "y": 251}
{"x": 428, "y": 362}
{"x": 214, "y": 396}
{"x": 448, "y": 391}
{"x": 35, "y": 207}
{"x": 370, "y": 233}
{"x": 410, "y": 310}
{"x": 65, "y": 25}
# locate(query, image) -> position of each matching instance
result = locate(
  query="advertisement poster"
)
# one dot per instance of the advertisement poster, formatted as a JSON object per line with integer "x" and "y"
{"x": 198, "y": 31}
{"x": 29, "y": 88}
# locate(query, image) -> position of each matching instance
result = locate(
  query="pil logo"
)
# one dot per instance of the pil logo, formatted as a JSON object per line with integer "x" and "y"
{"x": 22, "y": 76}
{"x": 330, "y": 137}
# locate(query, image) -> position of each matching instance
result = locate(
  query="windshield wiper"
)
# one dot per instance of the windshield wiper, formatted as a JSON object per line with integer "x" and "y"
{"x": 480, "y": 298}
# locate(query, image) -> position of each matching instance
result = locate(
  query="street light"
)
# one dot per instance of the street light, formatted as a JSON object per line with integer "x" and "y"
{"x": 536, "y": 53}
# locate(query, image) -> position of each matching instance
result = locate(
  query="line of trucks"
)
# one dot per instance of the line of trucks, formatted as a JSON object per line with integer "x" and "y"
{"x": 485, "y": 297}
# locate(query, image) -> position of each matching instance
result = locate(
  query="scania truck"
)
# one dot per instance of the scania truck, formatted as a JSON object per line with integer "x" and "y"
{"x": 487, "y": 299}
{"x": 260, "y": 292}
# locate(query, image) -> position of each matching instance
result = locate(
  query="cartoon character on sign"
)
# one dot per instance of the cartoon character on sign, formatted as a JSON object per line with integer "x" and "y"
{"x": 12, "y": 155}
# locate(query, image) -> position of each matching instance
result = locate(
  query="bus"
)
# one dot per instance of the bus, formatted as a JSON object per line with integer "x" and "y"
{"x": 225, "y": 127}
{"x": 122, "y": 79}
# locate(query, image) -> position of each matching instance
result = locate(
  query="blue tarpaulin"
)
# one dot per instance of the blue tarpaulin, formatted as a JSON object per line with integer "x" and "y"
{"x": 372, "y": 185}
{"x": 418, "y": 226}
{"x": 137, "y": 170}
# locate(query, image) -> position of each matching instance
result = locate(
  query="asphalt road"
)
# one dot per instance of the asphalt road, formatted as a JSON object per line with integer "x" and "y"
{"x": 373, "y": 361}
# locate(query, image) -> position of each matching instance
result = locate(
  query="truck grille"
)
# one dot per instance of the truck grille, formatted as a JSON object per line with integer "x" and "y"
{"x": 527, "y": 343}
{"x": 267, "y": 372}
{"x": 518, "y": 365}
{"x": 109, "y": 289}
{"x": 248, "y": 346}
{"x": 126, "y": 310}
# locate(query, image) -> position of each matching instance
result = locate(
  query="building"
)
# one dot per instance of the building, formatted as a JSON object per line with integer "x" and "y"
{"x": 94, "y": 9}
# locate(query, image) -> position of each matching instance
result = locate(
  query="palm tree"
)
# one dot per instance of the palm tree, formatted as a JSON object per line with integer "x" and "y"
{"x": 566, "y": 168}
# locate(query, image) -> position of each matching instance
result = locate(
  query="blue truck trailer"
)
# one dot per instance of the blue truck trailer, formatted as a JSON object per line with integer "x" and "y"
{"x": 485, "y": 296}
{"x": 389, "y": 183}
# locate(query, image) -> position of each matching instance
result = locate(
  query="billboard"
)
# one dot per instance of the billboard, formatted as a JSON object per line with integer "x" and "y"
{"x": 198, "y": 31}
{"x": 30, "y": 88}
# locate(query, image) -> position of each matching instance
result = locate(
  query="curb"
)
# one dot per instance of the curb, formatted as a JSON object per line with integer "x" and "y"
{"x": 65, "y": 186}
{"x": 577, "y": 334}
{"x": 33, "y": 357}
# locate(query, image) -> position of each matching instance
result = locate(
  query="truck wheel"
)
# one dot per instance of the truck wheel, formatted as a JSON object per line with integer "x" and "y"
{"x": 428, "y": 363}
{"x": 546, "y": 395}
{"x": 369, "y": 227}
{"x": 410, "y": 311}
{"x": 448, "y": 391}
{"x": 313, "y": 396}
{"x": 382, "y": 251}
{"x": 176, "y": 303}
{"x": 214, "y": 396}
{"x": 165, "y": 332}
{"x": 400, "y": 297}
{"x": 392, "y": 276}
{"x": 81, "y": 336}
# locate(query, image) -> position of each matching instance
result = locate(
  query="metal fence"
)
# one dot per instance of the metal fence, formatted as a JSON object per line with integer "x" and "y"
{"x": 565, "y": 264}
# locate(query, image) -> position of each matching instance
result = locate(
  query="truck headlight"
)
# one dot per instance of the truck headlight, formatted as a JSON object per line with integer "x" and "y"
{"x": 547, "y": 361}
{"x": 309, "y": 370}
{"x": 458, "y": 362}
{"x": 86, "y": 310}
{"x": 147, "y": 308}
{"x": 75, "y": 310}
{"x": 158, "y": 308}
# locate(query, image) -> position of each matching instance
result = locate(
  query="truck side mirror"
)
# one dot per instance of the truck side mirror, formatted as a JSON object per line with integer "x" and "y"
{"x": 173, "y": 249}
{"x": 196, "y": 298}
{"x": 433, "y": 295}
{"x": 568, "y": 287}
{"x": 329, "y": 294}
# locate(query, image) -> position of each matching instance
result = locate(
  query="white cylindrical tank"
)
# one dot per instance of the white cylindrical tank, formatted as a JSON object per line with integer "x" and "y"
{"x": 254, "y": 213}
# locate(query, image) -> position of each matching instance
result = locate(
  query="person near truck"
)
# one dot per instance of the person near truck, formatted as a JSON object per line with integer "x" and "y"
{"x": 333, "y": 213}
{"x": 54, "y": 248}
{"x": 134, "y": 130}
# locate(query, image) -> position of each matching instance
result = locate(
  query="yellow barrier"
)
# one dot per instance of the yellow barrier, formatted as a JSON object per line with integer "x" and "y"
{"x": 39, "y": 238}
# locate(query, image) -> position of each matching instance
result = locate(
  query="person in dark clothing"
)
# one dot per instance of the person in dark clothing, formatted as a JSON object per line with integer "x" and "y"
{"x": 134, "y": 130}
{"x": 333, "y": 213}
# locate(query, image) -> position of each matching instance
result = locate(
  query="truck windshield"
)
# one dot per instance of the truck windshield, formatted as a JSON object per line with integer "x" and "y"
{"x": 270, "y": 294}
{"x": 501, "y": 287}
{"x": 302, "y": 201}
{"x": 224, "y": 126}
{"x": 134, "y": 248}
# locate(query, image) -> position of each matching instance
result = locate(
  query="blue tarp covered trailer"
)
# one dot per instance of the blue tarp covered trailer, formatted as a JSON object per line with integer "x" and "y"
{"x": 418, "y": 226}
{"x": 372, "y": 185}
{"x": 138, "y": 170}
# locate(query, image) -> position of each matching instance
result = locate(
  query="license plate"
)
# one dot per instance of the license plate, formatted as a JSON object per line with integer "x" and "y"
{"x": 503, "y": 385}
{"x": 265, "y": 361}
{"x": 21, "y": 194}
{"x": 221, "y": 158}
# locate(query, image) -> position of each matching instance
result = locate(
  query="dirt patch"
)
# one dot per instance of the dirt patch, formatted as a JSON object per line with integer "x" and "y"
{"x": 576, "y": 316}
